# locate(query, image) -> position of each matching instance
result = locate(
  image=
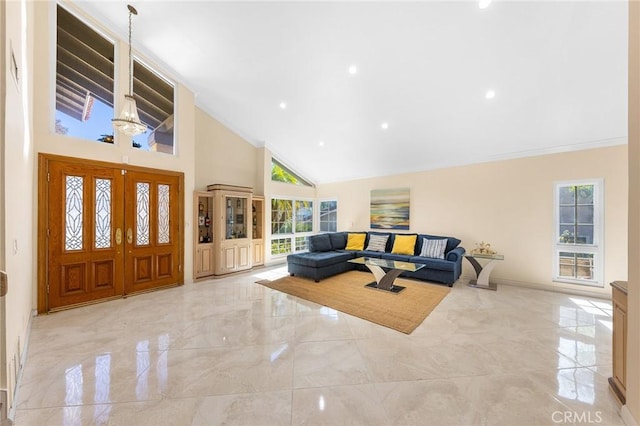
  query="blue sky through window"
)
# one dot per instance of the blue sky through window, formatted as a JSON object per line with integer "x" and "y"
{"x": 98, "y": 124}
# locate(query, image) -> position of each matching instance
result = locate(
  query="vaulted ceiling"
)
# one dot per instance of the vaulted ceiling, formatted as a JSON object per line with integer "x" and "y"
{"x": 455, "y": 84}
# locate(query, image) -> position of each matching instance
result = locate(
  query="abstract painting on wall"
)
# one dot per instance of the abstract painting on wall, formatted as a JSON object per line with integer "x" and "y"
{"x": 390, "y": 208}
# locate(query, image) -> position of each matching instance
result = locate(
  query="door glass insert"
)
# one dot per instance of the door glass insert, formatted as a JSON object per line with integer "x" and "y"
{"x": 103, "y": 213}
{"x": 163, "y": 214}
{"x": 142, "y": 214}
{"x": 73, "y": 213}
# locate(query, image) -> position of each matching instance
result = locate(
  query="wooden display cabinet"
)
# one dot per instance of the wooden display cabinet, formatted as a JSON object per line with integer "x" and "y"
{"x": 618, "y": 381}
{"x": 257, "y": 230}
{"x": 203, "y": 258}
{"x": 231, "y": 228}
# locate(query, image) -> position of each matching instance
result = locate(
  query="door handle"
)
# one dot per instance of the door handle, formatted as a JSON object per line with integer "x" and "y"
{"x": 118, "y": 236}
{"x": 129, "y": 236}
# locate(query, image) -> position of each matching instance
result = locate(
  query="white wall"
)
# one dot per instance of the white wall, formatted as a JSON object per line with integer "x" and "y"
{"x": 18, "y": 221}
{"x": 507, "y": 203}
{"x": 47, "y": 141}
{"x": 222, "y": 156}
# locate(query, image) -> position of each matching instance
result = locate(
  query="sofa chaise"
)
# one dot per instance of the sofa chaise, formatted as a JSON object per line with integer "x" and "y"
{"x": 329, "y": 254}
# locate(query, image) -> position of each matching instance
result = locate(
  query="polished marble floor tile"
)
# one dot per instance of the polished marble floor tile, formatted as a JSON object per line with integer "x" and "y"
{"x": 230, "y": 351}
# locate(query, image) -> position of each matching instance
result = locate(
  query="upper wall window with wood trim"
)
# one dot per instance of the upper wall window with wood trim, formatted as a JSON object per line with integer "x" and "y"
{"x": 281, "y": 173}
{"x": 84, "y": 80}
{"x": 155, "y": 98}
{"x": 85, "y": 89}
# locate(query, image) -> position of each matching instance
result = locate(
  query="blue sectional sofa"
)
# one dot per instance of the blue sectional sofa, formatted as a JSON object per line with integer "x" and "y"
{"x": 328, "y": 256}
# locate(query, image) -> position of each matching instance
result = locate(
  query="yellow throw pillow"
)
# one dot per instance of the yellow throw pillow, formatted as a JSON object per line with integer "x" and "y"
{"x": 404, "y": 244}
{"x": 355, "y": 241}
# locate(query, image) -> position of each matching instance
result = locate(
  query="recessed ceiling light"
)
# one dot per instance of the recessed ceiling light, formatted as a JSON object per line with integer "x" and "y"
{"x": 490, "y": 94}
{"x": 353, "y": 70}
{"x": 283, "y": 105}
{"x": 384, "y": 125}
{"x": 483, "y": 4}
{"x": 321, "y": 143}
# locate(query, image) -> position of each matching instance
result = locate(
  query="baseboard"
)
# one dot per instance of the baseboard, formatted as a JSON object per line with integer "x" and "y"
{"x": 23, "y": 360}
{"x": 627, "y": 418}
{"x": 543, "y": 287}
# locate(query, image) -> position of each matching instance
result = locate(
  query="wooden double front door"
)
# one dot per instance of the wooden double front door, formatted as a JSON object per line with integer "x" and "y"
{"x": 106, "y": 231}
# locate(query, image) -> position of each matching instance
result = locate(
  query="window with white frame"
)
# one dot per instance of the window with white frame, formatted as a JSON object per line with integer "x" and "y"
{"x": 328, "y": 216}
{"x": 291, "y": 225}
{"x": 578, "y": 244}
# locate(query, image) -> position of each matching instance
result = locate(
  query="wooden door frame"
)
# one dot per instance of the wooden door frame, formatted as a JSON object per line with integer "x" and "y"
{"x": 43, "y": 212}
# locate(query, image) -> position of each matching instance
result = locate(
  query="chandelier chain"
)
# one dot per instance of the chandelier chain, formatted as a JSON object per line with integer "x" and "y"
{"x": 130, "y": 56}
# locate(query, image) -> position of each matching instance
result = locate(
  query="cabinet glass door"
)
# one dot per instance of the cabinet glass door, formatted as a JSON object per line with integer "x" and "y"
{"x": 236, "y": 218}
{"x": 205, "y": 214}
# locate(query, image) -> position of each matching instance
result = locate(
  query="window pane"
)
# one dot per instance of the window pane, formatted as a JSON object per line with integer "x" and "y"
{"x": 585, "y": 214}
{"x": 74, "y": 213}
{"x": 302, "y": 243}
{"x": 163, "y": 214}
{"x": 103, "y": 213}
{"x": 304, "y": 216}
{"x": 280, "y": 246}
{"x": 585, "y": 194}
{"x": 567, "y": 214}
{"x": 280, "y": 173}
{"x": 142, "y": 214}
{"x": 281, "y": 216}
{"x": 84, "y": 80}
{"x": 567, "y": 195}
{"x": 328, "y": 216}
{"x": 585, "y": 234}
{"x": 577, "y": 265}
{"x": 567, "y": 234}
{"x": 154, "y": 97}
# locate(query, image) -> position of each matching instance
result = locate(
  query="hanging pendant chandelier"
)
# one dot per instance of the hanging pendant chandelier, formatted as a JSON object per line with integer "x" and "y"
{"x": 128, "y": 122}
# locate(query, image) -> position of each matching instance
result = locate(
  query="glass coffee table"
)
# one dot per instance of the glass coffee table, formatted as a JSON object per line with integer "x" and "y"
{"x": 384, "y": 279}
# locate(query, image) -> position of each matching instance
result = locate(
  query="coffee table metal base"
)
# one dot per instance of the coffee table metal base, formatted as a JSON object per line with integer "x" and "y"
{"x": 394, "y": 288}
{"x": 384, "y": 280}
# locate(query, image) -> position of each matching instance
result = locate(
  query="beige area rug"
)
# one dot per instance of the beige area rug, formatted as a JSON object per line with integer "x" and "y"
{"x": 347, "y": 293}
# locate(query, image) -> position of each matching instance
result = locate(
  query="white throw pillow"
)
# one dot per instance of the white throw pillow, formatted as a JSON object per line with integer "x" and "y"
{"x": 433, "y": 248}
{"x": 377, "y": 242}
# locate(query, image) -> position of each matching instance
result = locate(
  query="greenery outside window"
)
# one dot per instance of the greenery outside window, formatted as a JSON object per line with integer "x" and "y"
{"x": 281, "y": 173}
{"x": 280, "y": 246}
{"x": 304, "y": 216}
{"x": 291, "y": 224}
{"x": 302, "y": 243}
{"x": 328, "y": 216}
{"x": 578, "y": 245}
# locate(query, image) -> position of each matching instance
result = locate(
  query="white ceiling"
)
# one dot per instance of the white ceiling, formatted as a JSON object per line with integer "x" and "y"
{"x": 558, "y": 69}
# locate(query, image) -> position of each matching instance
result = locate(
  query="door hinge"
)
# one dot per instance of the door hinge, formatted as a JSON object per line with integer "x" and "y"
{"x": 122, "y": 172}
{"x": 47, "y": 288}
{"x": 48, "y": 177}
{"x": 179, "y": 268}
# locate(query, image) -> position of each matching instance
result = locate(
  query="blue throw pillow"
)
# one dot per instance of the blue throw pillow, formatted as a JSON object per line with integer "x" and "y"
{"x": 338, "y": 240}
{"x": 320, "y": 242}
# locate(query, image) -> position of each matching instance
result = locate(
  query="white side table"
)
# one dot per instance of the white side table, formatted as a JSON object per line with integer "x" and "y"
{"x": 483, "y": 272}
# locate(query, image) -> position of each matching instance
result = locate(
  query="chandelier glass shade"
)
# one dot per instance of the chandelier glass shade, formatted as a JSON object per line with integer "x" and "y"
{"x": 128, "y": 122}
